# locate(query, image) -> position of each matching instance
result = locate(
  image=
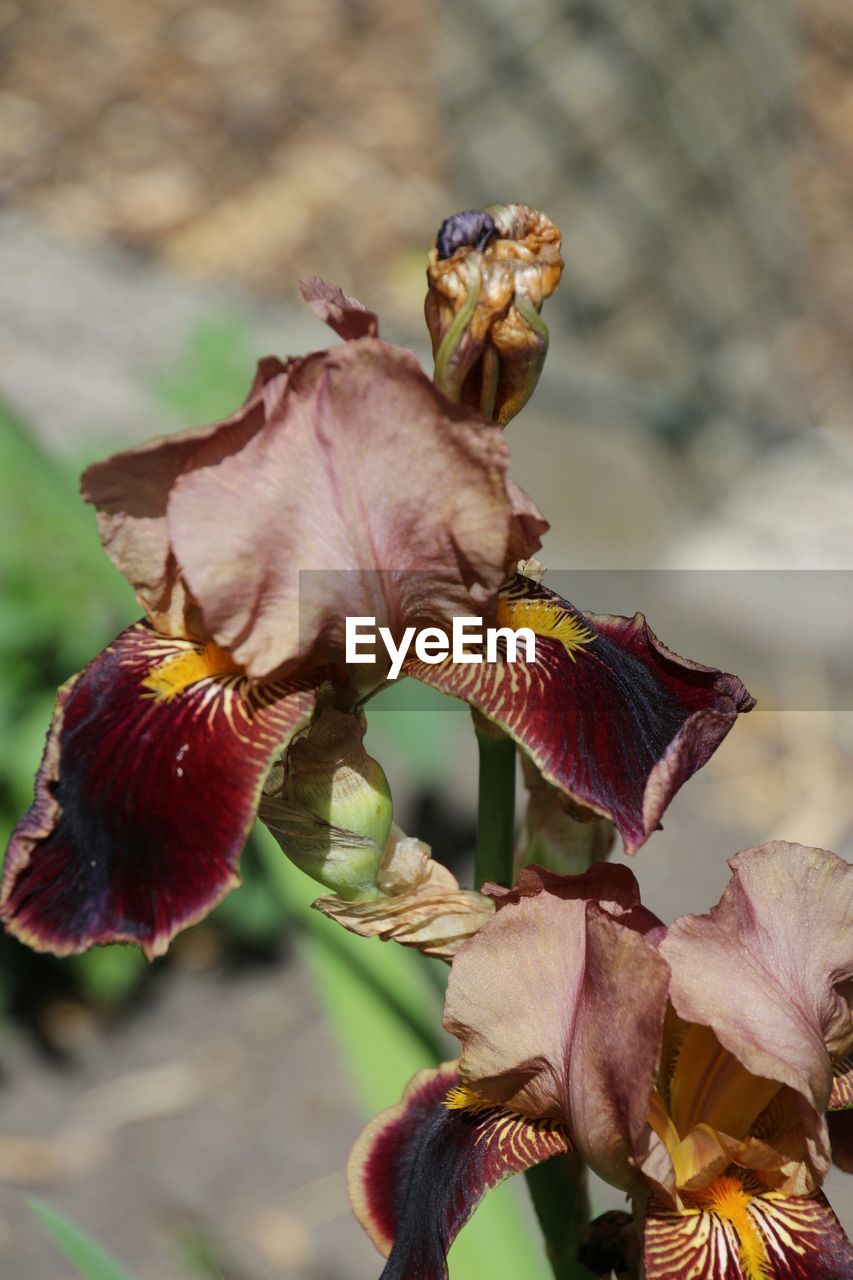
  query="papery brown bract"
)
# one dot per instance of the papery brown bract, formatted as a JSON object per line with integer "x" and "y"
{"x": 419, "y": 903}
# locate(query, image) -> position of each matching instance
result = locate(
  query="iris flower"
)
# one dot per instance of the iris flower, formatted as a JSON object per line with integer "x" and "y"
{"x": 347, "y": 484}
{"x": 690, "y": 1067}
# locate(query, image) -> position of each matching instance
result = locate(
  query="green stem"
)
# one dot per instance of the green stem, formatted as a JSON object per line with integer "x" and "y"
{"x": 558, "y": 1189}
{"x": 496, "y": 804}
{"x": 449, "y": 373}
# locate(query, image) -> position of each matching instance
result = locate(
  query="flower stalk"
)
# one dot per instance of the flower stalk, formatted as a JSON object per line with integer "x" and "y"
{"x": 495, "y": 804}
{"x": 560, "y": 1197}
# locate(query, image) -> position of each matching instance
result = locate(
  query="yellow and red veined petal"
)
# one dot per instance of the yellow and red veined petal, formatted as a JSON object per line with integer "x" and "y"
{"x": 147, "y": 789}
{"x": 418, "y": 1171}
{"x": 731, "y": 1233}
{"x": 766, "y": 970}
{"x": 606, "y": 712}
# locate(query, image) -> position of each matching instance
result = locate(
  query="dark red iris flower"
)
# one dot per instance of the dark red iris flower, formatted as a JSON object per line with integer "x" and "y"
{"x": 691, "y": 1067}
{"x": 347, "y": 484}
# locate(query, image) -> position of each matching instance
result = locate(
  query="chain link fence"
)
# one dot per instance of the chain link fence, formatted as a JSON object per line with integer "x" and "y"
{"x": 659, "y": 136}
{"x": 695, "y": 154}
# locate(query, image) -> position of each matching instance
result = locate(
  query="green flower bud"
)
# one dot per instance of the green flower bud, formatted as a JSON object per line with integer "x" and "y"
{"x": 332, "y": 811}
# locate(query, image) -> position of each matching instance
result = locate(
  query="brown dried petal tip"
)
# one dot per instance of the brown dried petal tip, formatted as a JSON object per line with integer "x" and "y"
{"x": 489, "y": 273}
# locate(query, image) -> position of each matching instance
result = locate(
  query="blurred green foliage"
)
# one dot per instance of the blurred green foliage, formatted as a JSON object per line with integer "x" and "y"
{"x": 88, "y": 1258}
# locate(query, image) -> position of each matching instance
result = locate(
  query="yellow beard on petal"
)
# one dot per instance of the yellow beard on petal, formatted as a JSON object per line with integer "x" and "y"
{"x": 544, "y": 617}
{"x": 461, "y": 1098}
{"x": 729, "y": 1200}
{"x": 183, "y": 669}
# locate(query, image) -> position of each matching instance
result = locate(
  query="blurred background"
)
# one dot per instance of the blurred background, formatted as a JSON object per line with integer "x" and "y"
{"x": 167, "y": 172}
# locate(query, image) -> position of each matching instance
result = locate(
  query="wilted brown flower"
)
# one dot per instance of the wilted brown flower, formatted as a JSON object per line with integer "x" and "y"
{"x": 489, "y": 273}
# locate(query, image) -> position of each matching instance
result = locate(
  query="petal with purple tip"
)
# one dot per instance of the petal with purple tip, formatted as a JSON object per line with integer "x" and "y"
{"x": 607, "y": 713}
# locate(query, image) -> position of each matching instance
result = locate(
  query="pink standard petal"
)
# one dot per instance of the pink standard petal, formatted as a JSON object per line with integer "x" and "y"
{"x": 766, "y": 969}
{"x": 130, "y": 491}
{"x": 559, "y": 1006}
{"x": 368, "y": 494}
{"x": 347, "y": 316}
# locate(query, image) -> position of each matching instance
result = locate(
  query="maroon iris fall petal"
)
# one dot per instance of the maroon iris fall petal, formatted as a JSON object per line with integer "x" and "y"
{"x": 419, "y": 1170}
{"x": 606, "y": 711}
{"x": 777, "y": 1238}
{"x": 145, "y": 795}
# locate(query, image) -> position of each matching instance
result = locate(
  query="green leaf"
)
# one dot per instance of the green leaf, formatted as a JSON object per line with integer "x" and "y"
{"x": 108, "y": 975}
{"x": 87, "y": 1257}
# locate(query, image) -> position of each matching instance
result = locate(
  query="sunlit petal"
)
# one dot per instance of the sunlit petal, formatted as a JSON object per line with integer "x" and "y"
{"x": 767, "y": 968}
{"x": 559, "y": 1006}
{"x": 148, "y": 787}
{"x": 607, "y": 713}
{"x": 367, "y": 494}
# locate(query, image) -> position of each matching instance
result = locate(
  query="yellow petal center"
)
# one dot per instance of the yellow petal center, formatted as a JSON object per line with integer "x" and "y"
{"x": 729, "y": 1200}
{"x": 709, "y": 1086}
{"x": 461, "y": 1098}
{"x": 544, "y": 617}
{"x": 186, "y": 668}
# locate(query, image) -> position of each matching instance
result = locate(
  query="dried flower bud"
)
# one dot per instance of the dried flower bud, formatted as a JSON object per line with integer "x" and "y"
{"x": 489, "y": 273}
{"x": 332, "y": 811}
